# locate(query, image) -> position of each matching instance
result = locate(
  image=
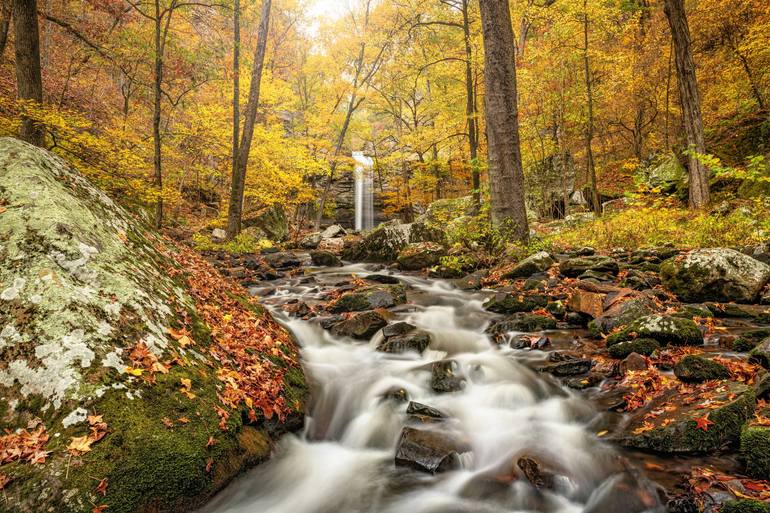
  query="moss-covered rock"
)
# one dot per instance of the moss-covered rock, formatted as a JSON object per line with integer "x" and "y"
{"x": 574, "y": 267}
{"x": 643, "y": 346}
{"x": 696, "y": 369}
{"x": 745, "y": 506}
{"x": 88, "y": 295}
{"x": 370, "y": 298}
{"x": 506, "y": 303}
{"x": 521, "y": 321}
{"x": 537, "y": 263}
{"x": 621, "y": 314}
{"x": 420, "y": 255}
{"x": 749, "y": 340}
{"x": 717, "y": 274}
{"x": 761, "y": 353}
{"x": 755, "y": 451}
{"x": 665, "y": 329}
{"x": 676, "y": 430}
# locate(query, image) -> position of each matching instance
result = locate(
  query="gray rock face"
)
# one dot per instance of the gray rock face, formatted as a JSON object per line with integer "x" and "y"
{"x": 716, "y": 274}
{"x": 402, "y": 337}
{"x": 272, "y": 221}
{"x": 420, "y": 255}
{"x": 429, "y": 451}
{"x": 537, "y": 263}
{"x": 361, "y": 326}
{"x": 574, "y": 267}
{"x": 370, "y": 298}
{"x": 325, "y": 259}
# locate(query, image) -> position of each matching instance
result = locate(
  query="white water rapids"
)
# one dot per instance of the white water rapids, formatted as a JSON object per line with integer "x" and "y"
{"x": 344, "y": 460}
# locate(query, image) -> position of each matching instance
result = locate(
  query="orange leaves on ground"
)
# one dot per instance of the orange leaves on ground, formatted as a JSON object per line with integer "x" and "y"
{"x": 25, "y": 445}
{"x": 80, "y": 445}
{"x": 99, "y": 509}
{"x": 143, "y": 360}
{"x": 252, "y": 352}
{"x": 187, "y": 388}
{"x": 102, "y": 487}
{"x": 740, "y": 370}
{"x": 645, "y": 385}
{"x": 703, "y": 479}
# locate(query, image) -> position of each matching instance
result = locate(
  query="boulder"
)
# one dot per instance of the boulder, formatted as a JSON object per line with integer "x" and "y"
{"x": 574, "y": 267}
{"x": 445, "y": 376}
{"x": 750, "y": 339}
{"x": 370, "y": 298}
{"x": 633, "y": 363}
{"x": 717, "y": 274}
{"x": 662, "y": 328}
{"x": 310, "y": 241}
{"x": 689, "y": 426}
{"x": 383, "y": 244}
{"x": 642, "y": 346}
{"x": 218, "y": 235}
{"x": 471, "y": 281}
{"x": 103, "y": 341}
{"x": 696, "y": 369}
{"x": 429, "y": 451}
{"x": 569, "y": 367}
{"x": 761, "y": 354}
{"x": 272, "y": 221}
{"x": 745, "y": 506}
{"x": 508, "y": 303}
{"x": 537, "y": 263}
{"x": 423, "y": 413}
{"x": 325, "y": 259}
{"x": 283, "y": 260}
{"x": 402, "y": 337}
{"x": 524, "y": 322}
{"x": 622, "y": 313}
{"x": 420, "y": 255}
{"x": 755, "y": 450}
{"x": 333, "y": 231}
{"x": 669, "y": 176}
{"x": 360, "y": 326}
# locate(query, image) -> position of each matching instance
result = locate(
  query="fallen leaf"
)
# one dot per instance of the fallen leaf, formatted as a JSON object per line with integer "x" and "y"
{"x": 167, "y": 422}
{"x": 212, "y": 441}
{"x": 99, "y": 509}
{"x": 209, "y": 464}
{"x": 79, "y": 445}
{"x": 102, "y": 487}
{"x": 4, "y": 480}
{"x": 703, "y": 423}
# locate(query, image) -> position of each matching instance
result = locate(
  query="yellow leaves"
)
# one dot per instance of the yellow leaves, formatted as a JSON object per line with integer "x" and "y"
{"x": 79, "y": 445}
{"x": 187, "y": 388}
{"x": 3, "y": 210}
{"x": 134, "y": 372}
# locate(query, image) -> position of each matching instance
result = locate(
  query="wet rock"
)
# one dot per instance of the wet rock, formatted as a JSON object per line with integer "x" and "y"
{"x": 283, "y": 261}
{"x": 383, "y": 244}
{"x": 396, "y": 394}
{"x": 360, "y": 326}
{"x": 370, "y": 298}
{"x": 621, "y": 314}
{"x": 429, "y": 451}
{"x": 678, "y": 431}
{"x": 627, "y": 492}
{"x": 445, "y": 376}
{"x": 755, "y": 450}
{"x": 745, "y": 506}
{"x": 762, "y": 385}
{"x": 310, "y": 241}
{"x": 385, "y": 279}
{"x": 471, "y": 281}
{"x": 325, "y": 259}
{"x": 642, "y": 346}
{"x": 333, "y": 231}
{"x": 520, "y": 322}
{"x": 574, "y": 267}
{"x": 402, "y": 337}
{"x": 750, "y": 340}
{"x": 566, "y": 365}
{"x": 696, "y": 369}
{"x": 761, "y": 354}
{"x": 633, "y": 363}
{"x": 683, "y": 503}
{"x": 527, "y": 342}
{"x": 694, "y": 310}
{"x": 537, "y": 263}
{"x": 664, "y": 329}
{"x": 506, "y": 303}
{"x": 715, "y": 275}
{"x": 538, "y": 477}
{"x": 420, "y": 255}
{"x": 583, "y": 382}
{"x": 424, "y": 413}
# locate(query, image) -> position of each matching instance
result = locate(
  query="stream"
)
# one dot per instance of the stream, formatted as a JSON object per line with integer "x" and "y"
{"x": 506, "y": 413}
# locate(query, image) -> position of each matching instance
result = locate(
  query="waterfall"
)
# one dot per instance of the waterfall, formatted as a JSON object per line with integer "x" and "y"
{"x": 364, "y": 192}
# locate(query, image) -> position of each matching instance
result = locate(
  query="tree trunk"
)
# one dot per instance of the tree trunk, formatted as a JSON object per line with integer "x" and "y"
{"x": 156, "y": 113}
{"x": 470, "y": 111}
{"x": 238, "y": 186}
{"x": 6, "y": 15}
{"x": 506, "y": 176}
{"x": 29, "y": 80}
{"x": 596, "y": 204}
{"x": 236, "y": 81}
{"x": 690, "y": 100}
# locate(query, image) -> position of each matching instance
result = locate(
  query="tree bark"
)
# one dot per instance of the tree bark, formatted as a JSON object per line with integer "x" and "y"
{"x": 596, "y": 204}
{"x": 236, "y": 81}
{"x": 235, "y": 212}
{"x": 29, "y": 81}
{"x": 6, "y": 15}
{"x": 161, "y": 35}
{"x": 470, "y": 110}
{"x": 690, "y": 100}
{"x": 506, "y": 176}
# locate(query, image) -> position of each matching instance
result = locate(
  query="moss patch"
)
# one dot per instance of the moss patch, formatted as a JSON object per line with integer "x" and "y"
{"x": 745, "y": 506}
{"x": 643, "y": 346}
{"x": 755, "y": 451}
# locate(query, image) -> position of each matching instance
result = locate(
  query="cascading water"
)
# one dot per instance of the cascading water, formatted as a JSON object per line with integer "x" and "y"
{"x": 344, "y": 460}
{"x": 364, "y": 201}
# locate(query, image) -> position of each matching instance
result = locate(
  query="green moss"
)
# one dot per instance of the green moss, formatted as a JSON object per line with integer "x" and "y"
{"x": 512, "y": 303}
{"x": 755, "y": 451}
{"x": 745, "y": 506}
{"x": 695, "y": 369}
{"x": 666, "y": 330}
{"x": 643, "y": 346}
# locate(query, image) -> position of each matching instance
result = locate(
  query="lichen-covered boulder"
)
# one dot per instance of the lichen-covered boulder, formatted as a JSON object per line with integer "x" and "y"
{"x": 669, "y": 176}
{"x": 272, "y": 221}
{"x": 109, "y": 363}
{"x": 621, "y": 314}
{"x": 574, "y": 267}
{"x": 641, "y": 346}
{"x": 382, "y": 244}
{"x": 537, "y": 263}
{"x": 717, "y": 274}
{"x": 662, "y": 328}
{"x": 420, "y": 255}
{"x": 507, "y": 303}
{"x": 370, "y": 298}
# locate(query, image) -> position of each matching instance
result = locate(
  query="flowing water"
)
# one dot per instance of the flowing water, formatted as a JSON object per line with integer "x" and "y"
{"x": 364, "y": 192}
{"x": 343, "y": 462}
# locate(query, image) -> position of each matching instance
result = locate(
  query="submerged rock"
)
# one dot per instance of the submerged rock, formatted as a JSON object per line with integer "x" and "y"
{"x": 360, "y": 326}
{"x": 717, "y": 274}
{"x": 95, "y": 314}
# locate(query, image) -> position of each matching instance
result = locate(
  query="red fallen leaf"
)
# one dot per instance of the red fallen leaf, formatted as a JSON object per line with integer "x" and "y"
{"x": 183, "y": 420}
{"x": 102, "y": 487}
{"x": 212, "y": 441}
{"x": 209, "y": 465}
{"x": 703, "y": 423}
{"x": 756, "y": 487}
{"x": 99, "y": 509}
{"x": 653, "y": 466}
{"x": 167, "y": 422}
{"x": 4, "y": 480}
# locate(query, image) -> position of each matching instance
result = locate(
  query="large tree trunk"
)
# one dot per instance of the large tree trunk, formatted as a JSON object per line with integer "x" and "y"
{"x": 690, "y": 100}
{"x": 236, "y": 81}
{"x": 238, "y": 186}
{"x": 506, "y": 176}
{"x": 470, "y": 110}
{"x": 156, "y": 114}
{"x": 596, "y": 204}
{"x": 29, "y": 80}
{"x": 6, "y": 14}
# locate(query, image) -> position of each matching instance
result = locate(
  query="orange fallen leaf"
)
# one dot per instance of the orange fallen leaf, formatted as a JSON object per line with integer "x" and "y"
{"x": 212, "y": 441}
{"x": 167, "y": 422}
{"x": 4, "y": 480}
{"x": 79, "y": 445}
{"x": 703, "y": 423}
{"x": 102, "y": 487}
{"x": 99, "y": 509}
